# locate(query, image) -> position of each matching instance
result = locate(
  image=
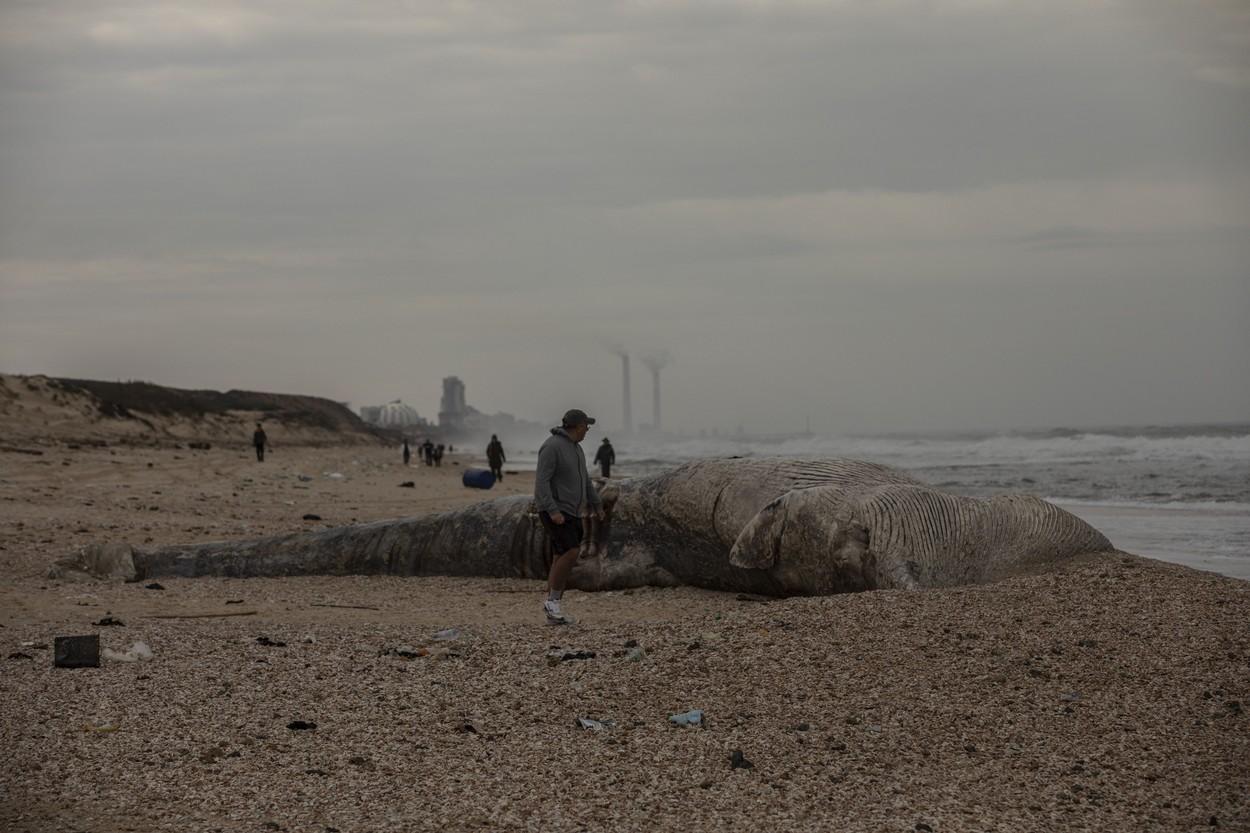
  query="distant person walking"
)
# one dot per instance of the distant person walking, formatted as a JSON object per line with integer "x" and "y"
{"x": 495, "y": 457}
{"x": 605, "y": 457}
{"x": 259, "y": 441}
{"x": 565, "y": 495}
{"x": 428, "y": 448}
{"x": 438, "y": 455}
{"x": 407, "y": 452}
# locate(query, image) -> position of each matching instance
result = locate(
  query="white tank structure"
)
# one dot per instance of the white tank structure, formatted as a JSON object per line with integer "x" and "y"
{"x": 397, "y": 415}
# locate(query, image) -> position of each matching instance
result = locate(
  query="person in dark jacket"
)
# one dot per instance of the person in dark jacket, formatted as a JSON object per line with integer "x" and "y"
{"x": 605, "y": 457}
{"x": 495, "y": 457}
{"x": 438, "y": 455}
{"x": 260, "y": 442}
{"x": 564, "y": 495}
{"x": 428, "y": 448}
{"x": 407, "y": 452}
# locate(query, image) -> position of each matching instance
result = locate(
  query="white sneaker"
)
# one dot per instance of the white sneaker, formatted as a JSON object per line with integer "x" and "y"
{"x": 554, "y": 616}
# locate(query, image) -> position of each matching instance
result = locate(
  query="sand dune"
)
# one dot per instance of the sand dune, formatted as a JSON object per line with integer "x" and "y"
{"x": 40, "y": 410}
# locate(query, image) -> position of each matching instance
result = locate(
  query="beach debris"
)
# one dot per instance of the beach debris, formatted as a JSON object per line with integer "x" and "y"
{"x": 311, "y": 517}
{"x": 477, "y": 479}
{"x": 446, "y": 635}
{"x": 20, "y": 655}
{"x": 156, "y": 585}
{"x": 15, "y": 450}
{"x": 470, "y": 725}
{"x": 270, "y": 643}
{"x": 201, "y": 615}
{"x": 595, "y": 725}
{"x": 114, "y": 561}
{"x": 405, "y": 651}
{"x": 738, "y": 761}
{"x": 636, "y": 654}
{"x": 212, "y": 753}
{"x": 111, "y": 622}
{"x": 303, "y": 478}
{"x": 694, "y": 717}
{"x": 349, "y": 607}
{"x": 336, "y": 475}
{"x": 234, "y": 601}
{"x": 301, "y": 725}
{"x": 76, "y": 651}
{"x": 200, "y": 446}
{"x": 309, "y": 638}
{"x": 137, "y": 652}
{"x": 102, "y": 724}
{"x": 408, "y": 484}
{"x": 558, "y": 655}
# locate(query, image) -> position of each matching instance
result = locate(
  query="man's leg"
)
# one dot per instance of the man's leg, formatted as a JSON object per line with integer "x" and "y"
{"x": 558, "y": 576}
{"x": 260, "y": 454}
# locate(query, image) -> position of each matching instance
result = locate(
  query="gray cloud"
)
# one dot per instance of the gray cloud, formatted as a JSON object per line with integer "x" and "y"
{"x": 907, "y": 214}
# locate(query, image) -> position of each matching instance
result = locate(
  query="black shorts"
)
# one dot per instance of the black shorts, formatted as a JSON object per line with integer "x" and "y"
{"x": 564, "y": 537}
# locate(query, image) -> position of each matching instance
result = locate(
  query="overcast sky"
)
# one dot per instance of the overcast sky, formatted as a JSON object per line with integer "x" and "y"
{"x": 892, "y": 215}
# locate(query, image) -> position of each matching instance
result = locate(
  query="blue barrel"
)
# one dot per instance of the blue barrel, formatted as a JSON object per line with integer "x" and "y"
{"x": 478, "y": 479}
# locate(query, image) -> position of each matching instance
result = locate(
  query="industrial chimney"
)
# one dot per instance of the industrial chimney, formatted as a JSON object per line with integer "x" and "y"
{"x": 655, "y": 397}
{"x": 654, "y": 363}
{"x": 628, "y": 424}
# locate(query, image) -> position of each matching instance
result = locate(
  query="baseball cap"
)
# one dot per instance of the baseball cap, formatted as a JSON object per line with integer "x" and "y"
{"x": 577, "y": 417}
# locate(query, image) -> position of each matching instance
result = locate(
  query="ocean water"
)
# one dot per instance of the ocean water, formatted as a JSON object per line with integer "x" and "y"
{"x": 1178, "y": 493}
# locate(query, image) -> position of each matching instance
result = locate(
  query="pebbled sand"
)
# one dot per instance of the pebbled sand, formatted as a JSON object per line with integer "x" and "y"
{"x": 1109, "y": 696}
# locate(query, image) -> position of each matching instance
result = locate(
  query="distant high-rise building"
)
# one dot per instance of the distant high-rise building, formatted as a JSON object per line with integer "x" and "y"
{"x": 452, "y": 409}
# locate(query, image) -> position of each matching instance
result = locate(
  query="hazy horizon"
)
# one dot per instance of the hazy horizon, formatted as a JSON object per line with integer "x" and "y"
{"x": 911, "y": 216}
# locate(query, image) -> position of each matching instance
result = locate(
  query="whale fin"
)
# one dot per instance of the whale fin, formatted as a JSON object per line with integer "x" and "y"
{"x": 758, "y": 545}
{"x": 808, "y": 538}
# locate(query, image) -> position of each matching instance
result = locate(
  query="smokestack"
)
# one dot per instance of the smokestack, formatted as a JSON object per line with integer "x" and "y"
{"x": 654, "y": 363}
{"x": 628, "y": 424}
{"x": 655, "y": 397}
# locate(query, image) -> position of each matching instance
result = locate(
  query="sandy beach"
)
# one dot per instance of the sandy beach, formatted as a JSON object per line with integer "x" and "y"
{"x": 1108, "y": 696}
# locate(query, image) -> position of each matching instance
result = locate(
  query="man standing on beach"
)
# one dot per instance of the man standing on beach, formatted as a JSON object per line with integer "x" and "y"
{"x": 605, "y": 457}
{"x": 565, "y": 495}
{"x": 495, "y": 456}
{"x": 259, "y": 440}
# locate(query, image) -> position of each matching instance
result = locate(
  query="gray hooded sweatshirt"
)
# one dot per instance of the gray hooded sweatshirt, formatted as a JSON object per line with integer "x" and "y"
{"x": 562, "y": 483}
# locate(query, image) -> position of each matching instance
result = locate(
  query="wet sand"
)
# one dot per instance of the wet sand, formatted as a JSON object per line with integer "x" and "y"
{"x": 1108, "y": 696}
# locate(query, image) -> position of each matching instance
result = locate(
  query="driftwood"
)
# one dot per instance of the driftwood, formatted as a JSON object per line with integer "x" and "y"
{"x": 201, "y": 615}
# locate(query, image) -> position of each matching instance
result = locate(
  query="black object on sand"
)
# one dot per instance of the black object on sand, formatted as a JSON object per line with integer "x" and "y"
{"x": 76, "y": 651}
